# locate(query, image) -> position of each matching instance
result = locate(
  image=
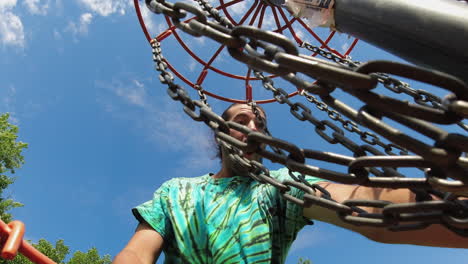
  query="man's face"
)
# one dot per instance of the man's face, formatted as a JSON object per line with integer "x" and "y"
{"x": 243, "y": 114}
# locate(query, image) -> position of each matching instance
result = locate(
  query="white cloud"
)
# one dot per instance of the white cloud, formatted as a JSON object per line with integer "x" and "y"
{"x": 346, "y": 41}
{"x": 57, "y": 35}
{"x": 192, "y": 65}
{"x": 11, "y": 26}
{"x": 11, "y": 92}
{"x": 11, "y": 29}
{"x": 345, "y": 47}
{"x": 171, "y": 128}
{"x": 19, "y": 108}
{"x": 136, "y": 95}
{"x": 200, "y": 40}
{"x": 269, "y": 23}
{"x": 81, "y": 27}
{"x": 106, "y": 7}
{"x": 95, "y": 7}
{"x": 301, "y": 33}
{"x": 194, "y": 43}
{"x": 7, "y": 4}
{"x": 37, "y": 7}
{"x": 162, "y": 121}
{"x": 8, "y": 102}
{"x": 239, "y": 8}
{"x": 153, "y": 27}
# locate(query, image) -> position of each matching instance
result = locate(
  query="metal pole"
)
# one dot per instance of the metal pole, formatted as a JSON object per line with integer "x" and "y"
{"x": 429, "y": 33}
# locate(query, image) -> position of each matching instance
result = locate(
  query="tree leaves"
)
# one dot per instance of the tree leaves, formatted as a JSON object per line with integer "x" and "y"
{"x": 59, "y": 252}
{"x": 10, "y": 149}
{"x": 11, "y": 159}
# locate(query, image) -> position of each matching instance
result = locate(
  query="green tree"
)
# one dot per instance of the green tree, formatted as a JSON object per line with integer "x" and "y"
{"x": 59, "y": 252}
{"x": 11, "y": 159}
{"x": 92, "y": 256}
{"x": 304, "y": 261}
{"x": 56, "y": 253}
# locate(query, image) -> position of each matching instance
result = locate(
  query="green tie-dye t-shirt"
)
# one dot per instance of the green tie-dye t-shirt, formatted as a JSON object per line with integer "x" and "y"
{"x": 229, "y": 220}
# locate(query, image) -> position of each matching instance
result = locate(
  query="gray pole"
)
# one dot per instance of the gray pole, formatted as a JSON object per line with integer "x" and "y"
{"x": 429, "y": 33}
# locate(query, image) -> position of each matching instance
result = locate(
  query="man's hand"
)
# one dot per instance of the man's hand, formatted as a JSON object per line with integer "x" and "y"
{"x": 144, "y": 247}
{"x": 435, "y": 235}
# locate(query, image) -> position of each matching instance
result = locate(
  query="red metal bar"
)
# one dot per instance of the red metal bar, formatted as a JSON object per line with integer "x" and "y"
{"x": 248, "y": 93}
{"x": 289, "y": 26}
{"x": 256, "y": 8}
{"x": 34, "y": 255}
{"x": 215, "y": 55}
{"x": 303, "y": 24}
{"x": 277, "y": 22}
{"x": 262, "y": 14}
{"x": 247, "y": 14}
{"x": 329, "y": 48}
{"x": 140, "y": 19}
{"x": 10, "y": 249}
{"x": 202, "y": 77}
{"x": 164, "y": 35}
{"x": 248, "y": 88}
{"x": 14, "y": 233}
{"x": 352, "y": 46}
{"x": 254, "y": 16}
{"x": 226, "y": 13}
{"x": 202, "y": 62}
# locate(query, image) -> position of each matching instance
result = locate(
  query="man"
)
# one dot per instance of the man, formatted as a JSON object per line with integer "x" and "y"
{"x": 228, "y": 217}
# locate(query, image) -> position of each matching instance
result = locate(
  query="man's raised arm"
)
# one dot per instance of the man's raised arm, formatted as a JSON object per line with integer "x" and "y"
{"x": 144, "y": 247}
{"x": 435, "y": 235}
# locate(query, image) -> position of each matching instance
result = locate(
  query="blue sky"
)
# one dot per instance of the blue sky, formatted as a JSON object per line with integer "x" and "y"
{"x": 77, "y": 78}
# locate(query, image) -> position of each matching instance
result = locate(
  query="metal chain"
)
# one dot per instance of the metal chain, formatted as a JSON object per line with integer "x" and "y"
{"x": 334, "y": 115}
{"x": 201, "y": 94}
{"x": 442, "y": 161}
{"x": 330, "y": 55}
{"x": 338, "y": 136}
{"x": 214, "y": 13}
{"x": 421, "y": 97}
{"x": 370, "y": 138}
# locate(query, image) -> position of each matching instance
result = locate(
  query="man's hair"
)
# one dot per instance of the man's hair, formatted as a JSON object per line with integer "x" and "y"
{"x": 225, "y": 116}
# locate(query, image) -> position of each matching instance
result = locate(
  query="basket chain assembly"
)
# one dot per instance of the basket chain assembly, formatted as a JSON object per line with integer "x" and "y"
{"x": 444, "y": 164}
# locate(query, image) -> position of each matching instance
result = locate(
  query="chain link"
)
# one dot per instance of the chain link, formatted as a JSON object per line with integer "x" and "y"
{"x": 420, "y": 97}
{"x": 281, "y": 97}
{"x": 214, "y": 13}
{"x": 442, "y": 161}
{"x": 201, "y": 94}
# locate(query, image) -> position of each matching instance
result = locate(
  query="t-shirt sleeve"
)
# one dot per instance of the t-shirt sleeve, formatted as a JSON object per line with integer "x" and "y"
{"x": 293, "y": 212}
{"x": 154, "y": 212}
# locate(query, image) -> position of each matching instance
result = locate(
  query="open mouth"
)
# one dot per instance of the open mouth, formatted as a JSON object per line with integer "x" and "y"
{"x": 248, "y": 155}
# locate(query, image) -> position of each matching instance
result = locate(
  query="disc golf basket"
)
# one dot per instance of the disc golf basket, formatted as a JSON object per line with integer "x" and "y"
{"x": 259, "y": 14}
{"x": 264, "y": 40}
{"x": 401, "y": 27}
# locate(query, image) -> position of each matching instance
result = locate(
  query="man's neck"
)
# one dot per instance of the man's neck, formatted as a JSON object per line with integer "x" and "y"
{"x": 223, "y": 173}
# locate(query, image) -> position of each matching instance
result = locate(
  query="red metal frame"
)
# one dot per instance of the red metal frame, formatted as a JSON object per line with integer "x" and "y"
{"x": 14, "y": 243}
{"x": 256, "y": 13}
